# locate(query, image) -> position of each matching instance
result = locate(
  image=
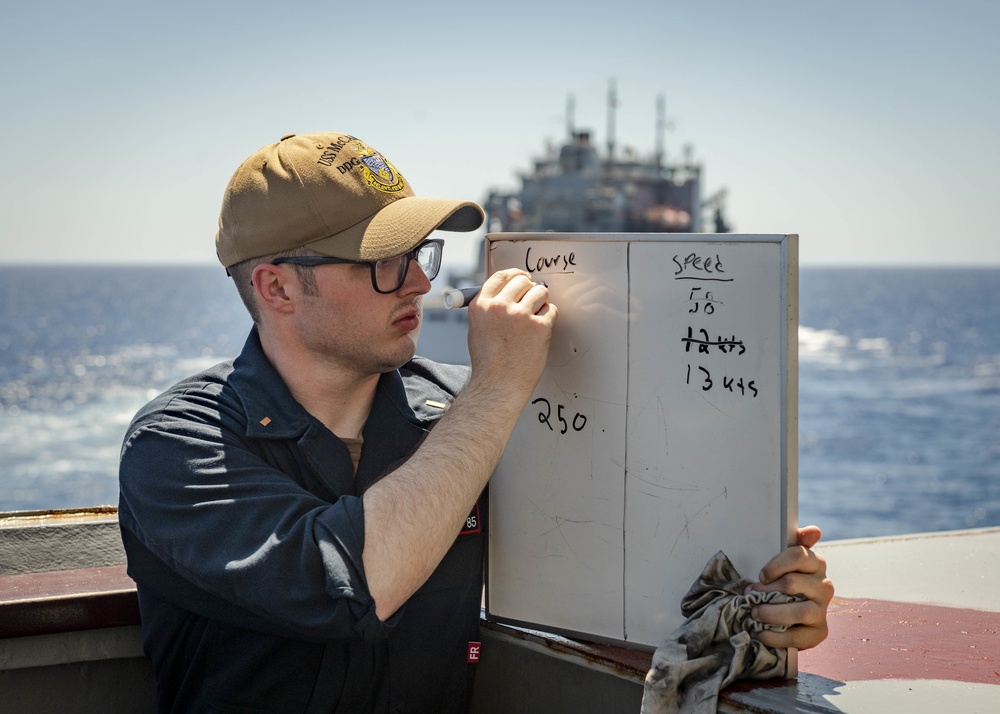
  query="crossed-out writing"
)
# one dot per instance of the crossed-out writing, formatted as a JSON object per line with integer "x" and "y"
{"x": 725, "y": 345}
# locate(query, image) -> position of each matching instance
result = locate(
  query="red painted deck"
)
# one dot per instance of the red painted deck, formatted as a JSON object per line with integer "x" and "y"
{"x": 879, "y": 639}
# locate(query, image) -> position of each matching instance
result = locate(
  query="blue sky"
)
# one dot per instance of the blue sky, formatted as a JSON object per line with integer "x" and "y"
{"x": 867, "y": 127}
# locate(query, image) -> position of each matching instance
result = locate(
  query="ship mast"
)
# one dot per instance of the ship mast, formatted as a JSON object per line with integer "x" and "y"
{"x": 612, "y": 104}
{"x": 661, "y": 128}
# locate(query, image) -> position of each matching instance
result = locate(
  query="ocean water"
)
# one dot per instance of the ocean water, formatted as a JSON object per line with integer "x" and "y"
{"x": 899, "y": 385}
{"x": 899, "y": 400}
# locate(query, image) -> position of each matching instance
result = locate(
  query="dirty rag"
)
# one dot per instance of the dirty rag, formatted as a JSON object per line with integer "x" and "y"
{"x": 713, "y": 647}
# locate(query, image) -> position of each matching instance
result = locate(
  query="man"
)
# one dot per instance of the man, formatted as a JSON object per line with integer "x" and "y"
{"x": 305, "y": 524}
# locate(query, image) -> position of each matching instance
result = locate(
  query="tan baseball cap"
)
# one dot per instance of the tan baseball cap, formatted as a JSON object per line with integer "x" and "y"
{"x": 333, "y": 193}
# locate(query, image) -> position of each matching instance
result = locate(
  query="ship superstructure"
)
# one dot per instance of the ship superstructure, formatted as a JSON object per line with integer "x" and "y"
{"x": 577, "y": 188}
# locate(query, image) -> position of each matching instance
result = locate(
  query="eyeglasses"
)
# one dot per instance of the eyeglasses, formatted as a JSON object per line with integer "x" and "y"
{"x": 388, "y": 274}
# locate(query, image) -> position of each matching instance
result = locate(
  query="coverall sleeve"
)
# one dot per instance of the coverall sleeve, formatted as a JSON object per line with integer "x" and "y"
{"x": 212, "y": 526}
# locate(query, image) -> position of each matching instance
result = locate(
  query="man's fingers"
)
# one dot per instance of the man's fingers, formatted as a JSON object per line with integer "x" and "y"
{"x": 510, "y": 328}
{"x": 804, "y": 612}
{"x": 515, "y": 287}
{"x": 809, "y": 536}
{"x": 817, "y": 589}
{"x": 498, "y": 280}
{"x": 801, "y": 637}
{"x": 814, "y": 586}
{"x": 806, "y": 619}
{"x": 795, "y": 559}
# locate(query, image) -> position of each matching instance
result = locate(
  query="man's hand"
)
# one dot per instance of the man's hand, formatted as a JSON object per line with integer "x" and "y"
{"x": 510, "y": 325}
{"x": 796, "y": 571}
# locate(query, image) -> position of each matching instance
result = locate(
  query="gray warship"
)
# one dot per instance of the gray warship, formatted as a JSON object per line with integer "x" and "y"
{"x": 577, "y": 188}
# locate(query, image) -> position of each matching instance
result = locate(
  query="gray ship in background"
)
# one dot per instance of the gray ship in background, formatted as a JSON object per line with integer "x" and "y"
{"x": 577, "y": 188}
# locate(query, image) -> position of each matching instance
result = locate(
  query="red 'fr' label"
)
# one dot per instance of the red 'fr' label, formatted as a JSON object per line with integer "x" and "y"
{"x": 473, "y": 656}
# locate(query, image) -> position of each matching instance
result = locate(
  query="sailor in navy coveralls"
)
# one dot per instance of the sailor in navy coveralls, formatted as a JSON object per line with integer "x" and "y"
{"x": 305, "y": 524}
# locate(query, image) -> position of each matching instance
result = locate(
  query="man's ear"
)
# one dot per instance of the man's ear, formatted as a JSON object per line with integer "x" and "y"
{"x": 269, "y": 284}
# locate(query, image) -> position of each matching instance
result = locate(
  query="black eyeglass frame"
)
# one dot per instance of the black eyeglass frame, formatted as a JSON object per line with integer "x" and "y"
{"x": 313, "y": 260}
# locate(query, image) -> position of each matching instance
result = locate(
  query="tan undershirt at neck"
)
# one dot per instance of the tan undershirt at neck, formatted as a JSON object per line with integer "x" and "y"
{"x": 354, "y": 448}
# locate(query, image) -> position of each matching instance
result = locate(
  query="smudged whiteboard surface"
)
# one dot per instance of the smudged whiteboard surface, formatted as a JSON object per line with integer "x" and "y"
{"x": 662, "y": 430}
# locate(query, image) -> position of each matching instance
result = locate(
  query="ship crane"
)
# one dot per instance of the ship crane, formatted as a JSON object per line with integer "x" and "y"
{"x": 716, "y": 203}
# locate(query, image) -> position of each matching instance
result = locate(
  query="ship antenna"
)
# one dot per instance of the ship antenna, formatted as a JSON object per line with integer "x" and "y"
{"x": 661, "y": 127}
{"x": 570, "y": 118}
{"x": 612, "y": 104}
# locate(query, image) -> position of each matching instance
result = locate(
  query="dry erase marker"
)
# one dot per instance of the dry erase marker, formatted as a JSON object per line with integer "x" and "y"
{"x": 461, "y": 297}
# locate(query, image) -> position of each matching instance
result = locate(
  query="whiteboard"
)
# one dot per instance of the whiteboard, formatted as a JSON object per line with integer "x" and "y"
{"x": 662, "y": 430}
